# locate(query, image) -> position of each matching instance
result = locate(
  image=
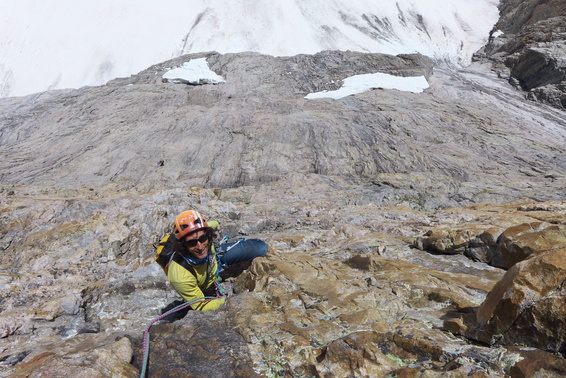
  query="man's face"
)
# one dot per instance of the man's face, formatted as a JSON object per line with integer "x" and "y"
{"x": 197, "y": 244}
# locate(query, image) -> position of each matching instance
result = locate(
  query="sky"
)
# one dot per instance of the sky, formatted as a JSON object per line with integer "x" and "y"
{"x": 71, "y": 43}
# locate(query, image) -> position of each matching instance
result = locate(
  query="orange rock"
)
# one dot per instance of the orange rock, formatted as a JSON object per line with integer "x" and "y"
{"x": 519, "y": 242}
{"x": 528, "y": 305}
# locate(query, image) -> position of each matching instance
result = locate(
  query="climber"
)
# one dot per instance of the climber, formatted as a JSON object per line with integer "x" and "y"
{"x": 195, "y": 275}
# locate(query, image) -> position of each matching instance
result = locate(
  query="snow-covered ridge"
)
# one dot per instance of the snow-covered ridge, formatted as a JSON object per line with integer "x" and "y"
{"x": 61, "y": 43}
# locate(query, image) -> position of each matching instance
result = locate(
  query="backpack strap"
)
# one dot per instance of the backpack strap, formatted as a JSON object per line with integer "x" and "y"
{"x": 181, "y": 261}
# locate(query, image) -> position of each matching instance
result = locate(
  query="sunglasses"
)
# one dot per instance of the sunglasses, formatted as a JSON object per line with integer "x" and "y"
{"x": 193, "y": 242}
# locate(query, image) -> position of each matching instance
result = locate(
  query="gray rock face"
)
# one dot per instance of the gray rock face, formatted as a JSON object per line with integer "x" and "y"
{"x": 539, "y": 66}
{"x": 258, "y": 127}
{"x": 532, "y": 47}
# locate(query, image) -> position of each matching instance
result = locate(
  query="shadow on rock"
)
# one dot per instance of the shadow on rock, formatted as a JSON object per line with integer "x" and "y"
{"x": 200, "y": 344}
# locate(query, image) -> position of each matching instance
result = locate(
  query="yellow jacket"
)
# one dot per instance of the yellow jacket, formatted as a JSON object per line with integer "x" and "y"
{"x": 190, "y": 287}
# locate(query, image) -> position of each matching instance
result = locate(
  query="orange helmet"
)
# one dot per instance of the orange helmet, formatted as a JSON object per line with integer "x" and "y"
{"x": 187, "y": 222}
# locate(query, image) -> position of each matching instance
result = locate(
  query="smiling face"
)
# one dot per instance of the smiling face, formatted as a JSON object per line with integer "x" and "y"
{"x": 197, "y": 244}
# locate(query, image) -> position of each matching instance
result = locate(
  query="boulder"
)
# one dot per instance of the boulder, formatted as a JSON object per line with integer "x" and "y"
{"x": 200, "y": 344}
{"x": 526, "y": 307}
{"x": 476, "y": 242}
{"x": 537, "y": 363}
{"x": 496, "y": 246}
{"x": 85, "y": 359}
{"x": 539, "y": 66}
{"x": 519, "y": 242}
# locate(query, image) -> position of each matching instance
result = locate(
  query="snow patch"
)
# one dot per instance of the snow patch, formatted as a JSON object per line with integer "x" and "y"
{"x": 497, "y": 33}
{"x": 195, "y": 72}
{"x": 363, "y": 83}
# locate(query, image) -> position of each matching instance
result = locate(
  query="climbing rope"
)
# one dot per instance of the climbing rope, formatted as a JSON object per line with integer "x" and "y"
{"x": 146, "y": 332}
{"x": 223, "y": 289}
